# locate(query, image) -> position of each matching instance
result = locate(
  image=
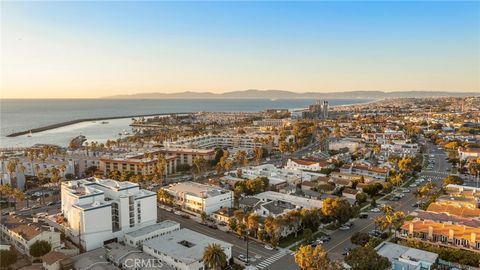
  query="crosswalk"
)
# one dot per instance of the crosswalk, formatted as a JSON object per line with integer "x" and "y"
{"x": 264, "y": 264}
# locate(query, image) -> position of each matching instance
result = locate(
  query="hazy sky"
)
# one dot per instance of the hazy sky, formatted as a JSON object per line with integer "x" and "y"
{"x": 94, "y": 49}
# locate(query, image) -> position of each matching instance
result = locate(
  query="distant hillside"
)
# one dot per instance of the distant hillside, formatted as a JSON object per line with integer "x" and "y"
{"x": 281, "y": 94}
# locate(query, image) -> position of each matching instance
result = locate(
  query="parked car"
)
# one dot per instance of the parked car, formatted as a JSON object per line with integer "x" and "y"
{"x": 375, "y": 210}
{"x": 242, "y": 258}
{"x": 406, "y": 190}
{"x": 325, "y": 238}
{"x": 268, "y": 247}
{"x": 363, "y": 215}
{"x": 185, "y": 216}
{"x": 344, "y": 228}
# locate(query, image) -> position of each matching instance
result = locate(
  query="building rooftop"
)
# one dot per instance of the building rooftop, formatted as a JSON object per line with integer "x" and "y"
{"x": 197, "y": 189}
{"x": 53, "y": 257}
{"x": 152, "y": 228}
{"x": 93, "y": 260}
{"x": 184, "y": 245}
{"x": 24, "y": 226}
{"x": 295, "y": 200}
{"x": 394, "y": 252}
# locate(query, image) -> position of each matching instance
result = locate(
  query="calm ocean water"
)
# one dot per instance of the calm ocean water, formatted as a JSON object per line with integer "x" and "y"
{"x": 19, "y": 115}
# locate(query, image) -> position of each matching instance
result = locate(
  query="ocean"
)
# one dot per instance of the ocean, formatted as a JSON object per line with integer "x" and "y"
{"x": 25, "y": 114}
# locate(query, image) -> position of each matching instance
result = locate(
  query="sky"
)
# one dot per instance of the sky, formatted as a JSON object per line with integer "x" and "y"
{"x": 97, "y": 49}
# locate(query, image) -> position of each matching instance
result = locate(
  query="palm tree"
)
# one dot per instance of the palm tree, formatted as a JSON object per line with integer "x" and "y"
{"x": 258, "y": 155}
{"x": 214, "y": 257}
{"x": 11, "y": 168}
{"x": 252, "y": 223}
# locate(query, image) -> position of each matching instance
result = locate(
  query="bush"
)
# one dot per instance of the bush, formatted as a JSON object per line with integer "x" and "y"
{"x": 40, "y": 248}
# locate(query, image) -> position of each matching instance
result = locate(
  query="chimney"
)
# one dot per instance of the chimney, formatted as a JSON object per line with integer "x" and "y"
{"x": 410, "y": 228}
{"x": 451, "y": 234}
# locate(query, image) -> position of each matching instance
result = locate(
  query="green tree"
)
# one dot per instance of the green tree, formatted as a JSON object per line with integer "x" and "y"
{"x": 361, "y": 197}
{"x": 337, "y": 209}
{"x": 204, "y": 217}
{"x": 164, "y": 196}
{"x": 308, "y": 258}
{"x": 453, "y": 179}
{"x": 7, "y": 257}
{"x": 214, "y": 257}
{"x": 363, "y": 258}
{"x": 307, "y": 234}
{"x": 360, "y": 238}
{"x": 373, "y": 189}
{"x": 40, "y": 248}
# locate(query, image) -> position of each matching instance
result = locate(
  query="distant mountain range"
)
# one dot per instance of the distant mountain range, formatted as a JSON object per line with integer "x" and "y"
{"x": 281, "y": 94}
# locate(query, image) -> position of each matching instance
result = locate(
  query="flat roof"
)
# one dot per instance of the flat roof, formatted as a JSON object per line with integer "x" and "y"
{"x": 184, "y": 245}
{"x": 295, "y": 200}
{"x": 394, "y": 251}
{"x": 197, "y": 189}
{"x": 152, "y": 228}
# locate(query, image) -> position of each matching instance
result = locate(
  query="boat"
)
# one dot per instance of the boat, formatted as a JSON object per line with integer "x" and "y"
{"x": 104, "y": 122}
{"x": 29, "y": 134}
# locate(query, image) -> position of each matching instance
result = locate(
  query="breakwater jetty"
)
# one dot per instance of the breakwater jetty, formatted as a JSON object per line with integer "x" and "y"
{"x": 72, "y": 122}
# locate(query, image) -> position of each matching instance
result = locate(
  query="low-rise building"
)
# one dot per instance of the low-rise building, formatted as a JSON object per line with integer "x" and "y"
{"x": 352, "y": 144}
{"x": 137, "y": 164}
{"x": 442, "y": 229}
{"x": 198, "y": 198}
{"x": 52, "y": 260}
{"x": 183, "y": 249}
{"x": 405, "y": 258}
{"x": 22, "y": 232}
{"x": 467, "y": 153}
{"x": 365, "y": 170}
{"x": 137, "y": 237}
{"x": 308, "y": 165}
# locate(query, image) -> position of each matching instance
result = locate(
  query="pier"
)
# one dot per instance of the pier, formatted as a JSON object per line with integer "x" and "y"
{"x": 72, "y": 122}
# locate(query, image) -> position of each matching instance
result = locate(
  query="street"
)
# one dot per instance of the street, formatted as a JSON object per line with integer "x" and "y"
{"x": 341, "y": 239}
{"x": 259, "y": 256}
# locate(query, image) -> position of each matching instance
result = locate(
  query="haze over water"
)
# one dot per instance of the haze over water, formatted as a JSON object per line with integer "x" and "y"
{"x": 18, "y": 115}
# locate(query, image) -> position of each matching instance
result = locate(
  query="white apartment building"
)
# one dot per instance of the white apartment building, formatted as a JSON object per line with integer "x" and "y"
{"x": 223, "y": 140}
{"x": 351, "y": 144}
{"x": 296, "y": 201}
{"x": 308, "y": 165}
{"x": 399, "y": 148}
{"x": 22, "y": 232}
{"x": 278, "y": 176}
{"x": 183, "y": 249}
{"x": 197, "y": 197}
{"x": 97, "y": 211}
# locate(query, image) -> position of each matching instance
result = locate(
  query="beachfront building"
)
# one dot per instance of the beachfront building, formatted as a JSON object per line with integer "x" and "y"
{"x": 22, "y": 232}
{"x": 137, "y": 164}
{"x": 198, "y": 198}
{"x": 99, "y": 211}
{"x": 224, "y": 140}
{"x": 188, "y": 155}
{"x": 183, "y": 249}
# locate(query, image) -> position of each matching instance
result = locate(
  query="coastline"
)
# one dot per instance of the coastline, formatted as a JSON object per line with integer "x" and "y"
{"x": 76, "y": 121}
{"x": 27, "y": 130}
